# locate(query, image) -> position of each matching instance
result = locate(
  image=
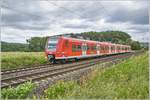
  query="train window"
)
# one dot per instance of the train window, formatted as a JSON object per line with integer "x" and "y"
{"x": 79, "y": 47}
{"x": 66, "y": 43}
{"x": 84, "y": 47}
{"x": 118, "y": 48}
{"x": 112, "y": 48}
{"x": 51, "y": 45}
{"x": 106, "y": 48}
{"x": 102, "y": 48}
{"x": 93, "y": 47}
{"x": 73, "y": 48}
{"x": 88, "y": 47}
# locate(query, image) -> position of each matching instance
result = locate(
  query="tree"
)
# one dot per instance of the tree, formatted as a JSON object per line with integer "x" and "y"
{"x": 135, "y": 45}
{"x": 37, "y": 43}
{"x": 5, "y": 46}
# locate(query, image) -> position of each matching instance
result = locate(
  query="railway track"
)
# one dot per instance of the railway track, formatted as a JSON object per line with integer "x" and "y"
{"x": 10, "y": 71}
{"x": 17, "y": 70}
{"x": 16, "y": 77}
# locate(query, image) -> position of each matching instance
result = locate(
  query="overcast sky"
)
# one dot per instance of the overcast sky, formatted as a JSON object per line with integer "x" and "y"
{"x": 22, "y": 19}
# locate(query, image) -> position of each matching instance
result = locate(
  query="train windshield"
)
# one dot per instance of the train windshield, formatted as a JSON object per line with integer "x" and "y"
{"x": 51, "y": 45}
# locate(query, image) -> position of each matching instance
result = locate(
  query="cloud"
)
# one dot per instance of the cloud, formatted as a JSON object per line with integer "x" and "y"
{"x": 139, "y": 16}
{"x": 22, "y": 19}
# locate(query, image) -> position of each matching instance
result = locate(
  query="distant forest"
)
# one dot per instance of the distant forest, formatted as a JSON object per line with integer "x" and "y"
{"x": 37, "y": 44}
{"x": 5, "y": 46}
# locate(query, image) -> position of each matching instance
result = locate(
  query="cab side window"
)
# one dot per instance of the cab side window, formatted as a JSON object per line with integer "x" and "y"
{"x": 73, "y": 47}
{"x": 79, "y": 47}
{"x": 88, "y": 47}
{"x": 102, "y": 47}
{"x": 66, "y": 43}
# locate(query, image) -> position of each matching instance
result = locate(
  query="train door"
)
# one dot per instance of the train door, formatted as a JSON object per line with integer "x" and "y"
{"x": 98, "y": 49}
{"x": 110, "y": 49}
{"x": 84, "y": 48}
{"x": 115, "y": 48}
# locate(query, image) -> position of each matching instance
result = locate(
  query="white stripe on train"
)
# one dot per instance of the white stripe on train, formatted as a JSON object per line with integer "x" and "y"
{"x": 85, "y": 56}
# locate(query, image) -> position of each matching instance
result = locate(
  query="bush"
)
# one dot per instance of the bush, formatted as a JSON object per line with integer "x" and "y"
{"x": 61, "y": 89}
{"x": 20, "y": 92}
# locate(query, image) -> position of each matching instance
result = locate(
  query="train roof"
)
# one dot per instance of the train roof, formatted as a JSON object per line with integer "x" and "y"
{"x": 106, "y": 43}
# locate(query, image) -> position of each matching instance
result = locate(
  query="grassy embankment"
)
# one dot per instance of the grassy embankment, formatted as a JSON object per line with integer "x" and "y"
{"x": 128, "y": 79}
{"x": 10, "y": 60}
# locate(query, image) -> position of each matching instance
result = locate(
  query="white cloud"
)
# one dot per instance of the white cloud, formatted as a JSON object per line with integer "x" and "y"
{"x": 41, "y": 18}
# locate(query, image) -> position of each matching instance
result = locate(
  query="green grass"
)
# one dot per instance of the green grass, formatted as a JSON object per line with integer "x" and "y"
{"x": 10, "y": 60}
{"x": 60, "y": 90}
{"x": 20, "y": 92}
{"x": 128, "y": 79}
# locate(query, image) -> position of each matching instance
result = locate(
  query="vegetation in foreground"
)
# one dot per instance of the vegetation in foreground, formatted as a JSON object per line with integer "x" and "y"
{"x": 10, "y": 60}
{"x": 128, "y": 79}
{"x": 20, "y": 92}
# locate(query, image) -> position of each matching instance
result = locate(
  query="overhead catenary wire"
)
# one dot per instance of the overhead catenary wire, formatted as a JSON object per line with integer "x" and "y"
{"x": 105, "y": 11}
{"x": 37, "y": 16}
{"x": 71, "y": 11}
{"x": 67, "y": 10}
{"x": 29, "y": 14}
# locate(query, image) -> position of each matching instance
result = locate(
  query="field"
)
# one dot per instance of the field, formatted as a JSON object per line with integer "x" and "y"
{"x": 10, "y": 60}
{"x": 128, "y": 79}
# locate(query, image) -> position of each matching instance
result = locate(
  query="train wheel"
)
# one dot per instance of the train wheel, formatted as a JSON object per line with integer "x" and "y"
{"x": 76, "y": 59}
{"x": 63, "y": 61}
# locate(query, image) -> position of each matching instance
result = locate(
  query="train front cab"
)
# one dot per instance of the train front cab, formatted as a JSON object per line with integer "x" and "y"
{"x": 51, "y": 48}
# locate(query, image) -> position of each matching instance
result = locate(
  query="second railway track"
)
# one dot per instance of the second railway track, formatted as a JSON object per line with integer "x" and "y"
{"x": 39, "y": 73}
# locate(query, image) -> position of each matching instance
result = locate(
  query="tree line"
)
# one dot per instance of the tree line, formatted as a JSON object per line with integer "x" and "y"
{"x": 37, "y": 44}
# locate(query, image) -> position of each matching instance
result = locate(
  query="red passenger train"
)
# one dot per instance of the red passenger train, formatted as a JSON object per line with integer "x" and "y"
{"x": 64, "y": 48}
